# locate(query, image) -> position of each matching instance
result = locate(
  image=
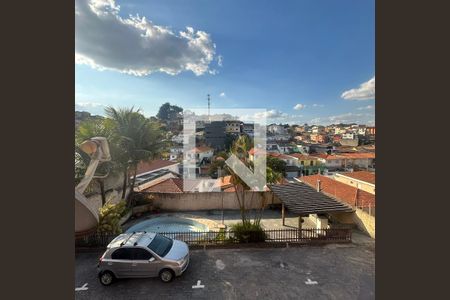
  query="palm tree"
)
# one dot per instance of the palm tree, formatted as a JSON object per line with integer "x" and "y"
{"x": 139, "y": 139}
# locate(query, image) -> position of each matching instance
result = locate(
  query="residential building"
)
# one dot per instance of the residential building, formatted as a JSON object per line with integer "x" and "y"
{"x": 233, "y": 126}
{"x": 202, "y": 154}
{"x": 349, "y": 142}
{"x": 276, "y": 129}
{"x": 248, "y": 128}
{"x": 347, "y": 161}
{"x": 319, "y": 138}
{"x": 348, "y": 136}
{"x": 362, "y": 180}
{"x": 175, "y": 152}
{"x": 370, "y": 130}
{"x": 308, "y": 164}
{"x": 215, "y": 134}
{"x": 318, "y": 129}
{"x": 147, "y": 167}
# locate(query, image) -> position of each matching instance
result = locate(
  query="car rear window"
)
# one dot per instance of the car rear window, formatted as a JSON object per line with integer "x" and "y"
{"x": 160, "y": 245}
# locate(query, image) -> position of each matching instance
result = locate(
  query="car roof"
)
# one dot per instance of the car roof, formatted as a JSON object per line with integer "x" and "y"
{"x": 132, "y": 239}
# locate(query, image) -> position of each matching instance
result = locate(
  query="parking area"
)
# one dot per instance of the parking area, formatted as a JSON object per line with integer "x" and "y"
{"x": 336, "y": 271}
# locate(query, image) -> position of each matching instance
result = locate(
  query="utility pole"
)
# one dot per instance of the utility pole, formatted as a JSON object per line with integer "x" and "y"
{"x": 209, "y": 102}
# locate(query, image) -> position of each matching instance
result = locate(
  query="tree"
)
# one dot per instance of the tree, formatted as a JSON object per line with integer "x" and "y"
{"x": 167, "y": 112}
{"x": 277, "y": 165}
{"x": 139, "y": 139}
{"x": 240, "y": 148}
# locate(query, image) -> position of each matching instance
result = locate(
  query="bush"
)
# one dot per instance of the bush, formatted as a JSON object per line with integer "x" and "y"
{"x": 109, "y": 217}
{"x": 248, "y": 232}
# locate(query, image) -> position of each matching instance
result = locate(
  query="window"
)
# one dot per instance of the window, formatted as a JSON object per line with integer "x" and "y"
{"x": 311, "y": 163}
{"x": 140, "y": 254}
{"x": 161, "y": 245}
{"x": 302, "y": 163}
{"x": 122, "y": 253}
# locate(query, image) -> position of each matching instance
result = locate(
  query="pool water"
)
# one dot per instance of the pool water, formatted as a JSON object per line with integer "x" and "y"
{"x": 168, "y": 224}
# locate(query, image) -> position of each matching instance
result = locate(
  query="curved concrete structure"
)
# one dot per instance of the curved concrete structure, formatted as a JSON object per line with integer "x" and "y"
{"x": 86, "y": 216}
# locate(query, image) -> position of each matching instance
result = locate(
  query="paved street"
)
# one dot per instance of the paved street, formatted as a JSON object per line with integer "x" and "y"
{"x": 339, "y": 271}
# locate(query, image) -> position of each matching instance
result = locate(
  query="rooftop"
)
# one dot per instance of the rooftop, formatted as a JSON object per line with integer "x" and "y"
{"x": 361, "y": 175}
{"x": 302, "y": 199}
{"x": 339, "y": 190}
{"x": 171, "y": 185}
{"x": 153, "y": 165}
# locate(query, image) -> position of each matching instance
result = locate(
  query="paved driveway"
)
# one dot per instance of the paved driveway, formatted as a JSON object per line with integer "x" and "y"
{"x": 340, "y": 271}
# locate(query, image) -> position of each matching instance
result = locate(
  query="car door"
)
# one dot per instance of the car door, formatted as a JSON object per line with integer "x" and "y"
{"x": 120, "y": 262}
{"x": 144, "y": 264}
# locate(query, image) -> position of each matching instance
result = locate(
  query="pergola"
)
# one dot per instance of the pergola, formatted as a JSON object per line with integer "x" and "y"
{"x": 303, "y": 200}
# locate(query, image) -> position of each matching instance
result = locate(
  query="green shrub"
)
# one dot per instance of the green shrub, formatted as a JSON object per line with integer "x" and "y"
{"x": 109, "y": 217}
{"x": 248, "y": 232}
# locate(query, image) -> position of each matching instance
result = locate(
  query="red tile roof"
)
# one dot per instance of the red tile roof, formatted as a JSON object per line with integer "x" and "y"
{"x": 358, "y": 155}
{"x": 171, "y": 185}
{"x": 201, "y": 149}
{"x": 253, "y": 151}
{"x": 341, "y": 191}
{"x": 361, "y": 175}
{"x": 148, "y": 166}
{"x": 303, "y": 156}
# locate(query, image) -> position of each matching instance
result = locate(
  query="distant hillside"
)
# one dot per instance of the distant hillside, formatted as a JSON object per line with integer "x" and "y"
{"x": 81, "y": 116}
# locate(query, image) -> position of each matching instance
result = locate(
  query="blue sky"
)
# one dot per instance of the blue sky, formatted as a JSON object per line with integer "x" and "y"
{"x": 318, "y": 56}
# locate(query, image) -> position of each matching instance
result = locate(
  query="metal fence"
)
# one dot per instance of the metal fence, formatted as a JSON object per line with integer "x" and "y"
{"x": 332, "y": 235}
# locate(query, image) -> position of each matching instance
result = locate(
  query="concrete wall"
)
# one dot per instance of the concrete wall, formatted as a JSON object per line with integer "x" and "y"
{"x": 361, "y": 219}
{"x": 370, "y": 188}
{"x": 209, "y": 200}
{"x": 365, "y": 222}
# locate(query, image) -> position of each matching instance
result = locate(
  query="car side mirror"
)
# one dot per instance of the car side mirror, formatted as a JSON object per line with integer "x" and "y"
{"x": 151, "y": 259}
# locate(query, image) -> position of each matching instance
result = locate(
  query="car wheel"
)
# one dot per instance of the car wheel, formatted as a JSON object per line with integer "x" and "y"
{"x": 106, "y": 278}
{"x": 166, "y": 275}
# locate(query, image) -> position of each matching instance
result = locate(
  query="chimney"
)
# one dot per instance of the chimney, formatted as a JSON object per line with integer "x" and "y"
{"x": 318, "y": 185}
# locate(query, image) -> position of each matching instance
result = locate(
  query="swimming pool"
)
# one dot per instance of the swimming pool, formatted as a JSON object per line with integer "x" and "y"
{"x": 169, "y": 224}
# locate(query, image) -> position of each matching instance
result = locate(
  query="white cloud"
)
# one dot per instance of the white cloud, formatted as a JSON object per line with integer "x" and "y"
{"x": 317, "y": 105}
{"x": 271, "y": 114}
{"x": 365, "y": 107}
{"x": 299, "y": 106}
{"x": 92, "y": 107}
{"x": 365, "y": 91}
{"x": 219, "y": 60}
{"x": 222, "y": 94}
{"x": 134, "y": 45}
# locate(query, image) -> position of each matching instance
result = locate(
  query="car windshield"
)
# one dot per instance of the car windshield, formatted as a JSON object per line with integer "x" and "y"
{"x": 160, "y": 245}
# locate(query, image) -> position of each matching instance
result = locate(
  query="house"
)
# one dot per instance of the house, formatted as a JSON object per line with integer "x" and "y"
{"x": 308, "y": 164}
{"x": 370, "y": 130}
{"x": 345, "y": 161}
{"x": 276, "y": 129}
{"x": 281, "y": 137}
{"x": 248, "y": 129}
{"x": 349, "y": 142}
{"x": 202, "y": 154}
{"x": 257, "y": 151}
{"x": 175, "y": 152}
{"x": 233, "y": 126}
{"x": 147, "y": 167}
{"x": 339, "y": 190}
{"x": 362, "y": 180}
{"x": 319, "y": 138}
{"x": 318, "y": 129}
{"x": 348, "y": 136}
